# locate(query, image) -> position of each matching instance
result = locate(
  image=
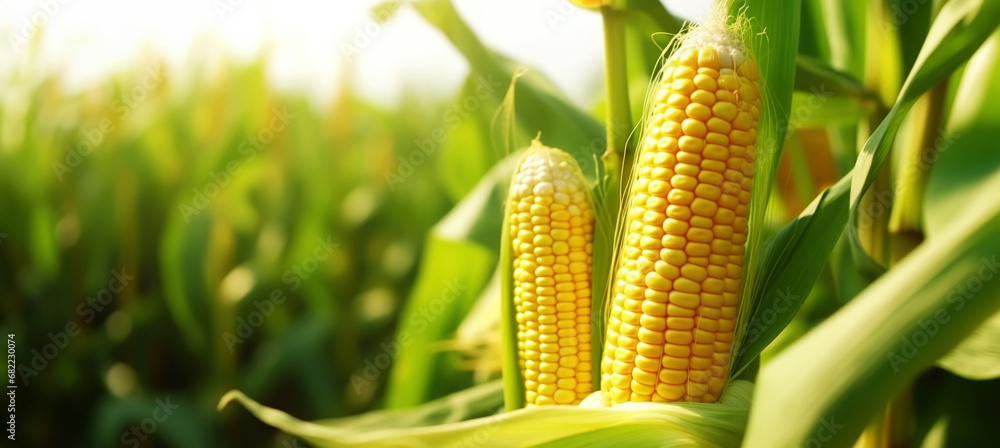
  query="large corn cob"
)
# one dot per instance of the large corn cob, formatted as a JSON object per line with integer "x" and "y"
{"x": 679, "y": 269}
{"x": 552, "y": 226}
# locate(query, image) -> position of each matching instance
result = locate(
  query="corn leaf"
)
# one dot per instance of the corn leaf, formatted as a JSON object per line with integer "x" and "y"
{"x": 291, "y": 353}
{"x": 183, "y": 265}
{"x": 459, "y": 168}
{"x": 648, "y": 29}
{"x": 824, "y": 96}
{"x": 966, "y": 159}
{"x": 959, "y": 29}
{"x": 539, "y": 106}
{"x": 827, "y": 386}
{"x": 965, "y": 154}
{"x": 813, "y": 74}
{"x": 478, "y": 337}
{"x": 641, "y": 424}
{"x": 461, "y": 255}
{"x": 813, "y": 40}
{"x": 912, "y": 22}
{"x": 793, "y": 258}
{"x": 978, "y": 356}
{"x": 190, "y": 426}
{"x": 844, "y": 22}
{"x": 477, "y": 401}
{"x": 835, "y": 111}
{"x": 774, "y": 27}
{"x": 848, "y": 281}
{"x": 655, "y": 11}
{"x": 951, "y": 411}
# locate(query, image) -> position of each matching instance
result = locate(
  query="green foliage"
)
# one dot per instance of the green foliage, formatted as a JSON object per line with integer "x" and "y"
{"x": 966, "y": 166}
{"x": 792, "y": 259}
{"x": 446, "y": 291}
{"x": 537, "y": 105}
{"x": 370, "y": 233}
{"x": 856, "y": 360}
{"x": 960, "y": 28}
{"x": 772, "y": 38}
{"x": 199, "y": 273}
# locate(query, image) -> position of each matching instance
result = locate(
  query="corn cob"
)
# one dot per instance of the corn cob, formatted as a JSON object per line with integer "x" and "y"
{"x": 552, "y": 226}
{"x": 680, "y": 263}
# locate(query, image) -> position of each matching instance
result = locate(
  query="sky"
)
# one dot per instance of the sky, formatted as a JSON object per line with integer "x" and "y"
{"x": 310, "y": 44}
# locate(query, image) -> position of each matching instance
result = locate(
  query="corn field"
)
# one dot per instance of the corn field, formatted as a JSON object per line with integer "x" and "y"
{"x": 774, "y": 226}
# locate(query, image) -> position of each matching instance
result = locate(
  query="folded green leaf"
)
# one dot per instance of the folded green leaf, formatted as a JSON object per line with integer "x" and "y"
{"x": 446, "y": 291}
{"x": 475, "y": 402}
{"x": 812, "y": 110}
{"x": 539, "y": 106}
{"x": 632, "y": 424}
{"x": 960, "y": 28}
{"x": 812, "y": 73}
{"x": 832, "y": 382}
{"x": 966, "y": 160}
{"x": 965, "y": 154}
{"x": 792, "y": 259}
{"x": 978, "y": 356}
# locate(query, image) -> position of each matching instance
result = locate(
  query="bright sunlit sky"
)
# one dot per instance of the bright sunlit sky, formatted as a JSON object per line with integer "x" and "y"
{"x": 84, "y": 41}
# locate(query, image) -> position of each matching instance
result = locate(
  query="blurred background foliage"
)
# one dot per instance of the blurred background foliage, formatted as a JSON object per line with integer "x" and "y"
{"x": 292, "y": 269}
{"x": 198, "y": 275}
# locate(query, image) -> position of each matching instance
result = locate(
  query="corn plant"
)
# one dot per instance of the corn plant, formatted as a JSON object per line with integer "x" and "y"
{"x": 778, "y": 228}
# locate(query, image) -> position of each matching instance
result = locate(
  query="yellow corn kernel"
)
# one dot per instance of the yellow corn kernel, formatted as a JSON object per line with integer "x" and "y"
{"x": 680, "y": 303}
{"x": 552, "y": 271}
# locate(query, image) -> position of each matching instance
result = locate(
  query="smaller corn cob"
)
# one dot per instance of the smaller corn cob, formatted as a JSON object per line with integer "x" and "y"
{"x": 551, "y": 229}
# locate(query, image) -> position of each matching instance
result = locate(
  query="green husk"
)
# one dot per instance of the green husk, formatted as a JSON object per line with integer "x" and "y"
{"x": 513, "y": 383}
{"x": 770, "y": 32}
